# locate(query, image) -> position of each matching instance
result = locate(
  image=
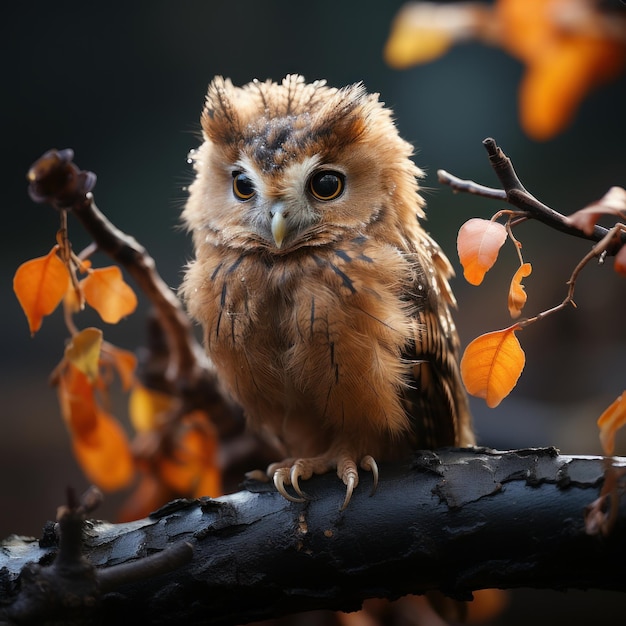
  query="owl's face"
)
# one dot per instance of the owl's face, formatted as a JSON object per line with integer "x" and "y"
{"x": 290, "y": 165}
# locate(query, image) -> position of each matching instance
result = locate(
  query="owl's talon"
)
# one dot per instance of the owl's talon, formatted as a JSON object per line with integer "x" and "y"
{"x": 350, "y": 485}
{"x": 294, "y": 477}
{"x": 281, "y": 478}
{"x": 369, "y": 464}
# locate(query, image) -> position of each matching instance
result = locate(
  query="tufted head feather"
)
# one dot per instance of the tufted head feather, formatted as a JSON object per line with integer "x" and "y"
{"x": 292, "y": 115}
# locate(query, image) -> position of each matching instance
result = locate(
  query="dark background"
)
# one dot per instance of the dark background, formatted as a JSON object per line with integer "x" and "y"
{"x": 123, "y": 85}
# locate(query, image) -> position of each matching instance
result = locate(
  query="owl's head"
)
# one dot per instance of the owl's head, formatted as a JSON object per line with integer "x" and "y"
{"x": 289, "y": 165}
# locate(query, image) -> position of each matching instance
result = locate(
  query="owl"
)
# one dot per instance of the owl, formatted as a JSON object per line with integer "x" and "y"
{"x": 324, "y": 303}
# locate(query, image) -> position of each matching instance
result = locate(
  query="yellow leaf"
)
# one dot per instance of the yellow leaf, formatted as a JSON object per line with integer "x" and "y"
{"x": 411, "y": 45}
{"x": 423, "y": 31}
{"x": 478, "y": 244}
{"x": 84, "y": 352}
{"x": 146, "y": 406}
{"x": 613, "y": 418}
{"x": 104, "y": 453}
{"x": 39, "y": 285}
{"x": 517, "y": 294}
{"x": 492, "y": 365}
{"x": 106, "y": 291}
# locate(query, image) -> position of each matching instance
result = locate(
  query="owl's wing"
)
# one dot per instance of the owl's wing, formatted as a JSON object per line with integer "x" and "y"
{"x": 436, "y": 400}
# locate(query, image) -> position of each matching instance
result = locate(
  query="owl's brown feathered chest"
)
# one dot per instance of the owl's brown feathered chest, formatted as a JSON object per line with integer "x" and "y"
{"x": 311, "y": 333}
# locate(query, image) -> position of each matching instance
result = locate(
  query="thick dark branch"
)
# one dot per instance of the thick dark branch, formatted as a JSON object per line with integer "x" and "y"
{"x": 454, "y": 520}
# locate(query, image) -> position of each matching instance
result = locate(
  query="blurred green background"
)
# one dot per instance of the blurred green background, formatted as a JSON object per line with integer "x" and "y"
{"x": 123, "y": 85}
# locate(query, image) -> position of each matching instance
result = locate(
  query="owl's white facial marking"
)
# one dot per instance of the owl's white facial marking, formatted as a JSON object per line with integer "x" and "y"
{"x": 282, "y": 209}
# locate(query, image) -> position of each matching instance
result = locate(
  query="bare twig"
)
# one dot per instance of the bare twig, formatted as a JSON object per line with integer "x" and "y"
{"x": 469, "y": 186}
{"x": 517, "y": 195}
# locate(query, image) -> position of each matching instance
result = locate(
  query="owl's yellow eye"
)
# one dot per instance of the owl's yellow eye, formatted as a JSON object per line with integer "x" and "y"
{"x": 326, "y": 185}
{"x": 243, "y": 187}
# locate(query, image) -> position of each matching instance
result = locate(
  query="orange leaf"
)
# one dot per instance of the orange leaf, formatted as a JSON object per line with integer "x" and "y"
{"x": 492, "y": 364}
{"x": 77, "y": 401}
{"x": 620, "y": 261}
{"x": 567, "y": 54}
{"x": 39, "y": 285}
{"x": 106, "y": 291}
{"x": 147, "y": 496}
{"x": 517, "y": 295}
{"x": 478, "y": 244}
{"x": 612, "y": 203}
{"x": 104, "y": 453}
{"x": 613, "y": 418}
{"x": 146, "y": 406}
{"x": 125, "y": 363}
{"x": 192, "y": 468}
{"x": 84, "y": 352}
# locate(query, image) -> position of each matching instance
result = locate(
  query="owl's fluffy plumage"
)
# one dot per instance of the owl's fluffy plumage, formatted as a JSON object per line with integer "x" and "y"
{"x": 328, "y": 320}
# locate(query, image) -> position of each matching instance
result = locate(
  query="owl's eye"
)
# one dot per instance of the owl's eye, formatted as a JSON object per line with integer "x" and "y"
{"x": 326, "y": 185}
{"x": 243, "y": 188}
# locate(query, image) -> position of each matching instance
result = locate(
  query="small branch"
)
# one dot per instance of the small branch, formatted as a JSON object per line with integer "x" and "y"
{"x": 597, "y": 251}
{"x": 469, "y": 186}
{"x": 516, "y": 194}
{"x": 56, "y": 180}
{"x": 170, "y": 559}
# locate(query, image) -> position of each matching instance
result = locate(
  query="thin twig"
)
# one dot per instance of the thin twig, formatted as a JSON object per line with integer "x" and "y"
{"x": 517, "y": 195}
{"x": 597, "y": 251}
{"x": 469, "y": 186}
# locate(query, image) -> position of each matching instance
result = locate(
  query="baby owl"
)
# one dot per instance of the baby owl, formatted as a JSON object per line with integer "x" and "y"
{"x": 325, "y": 305}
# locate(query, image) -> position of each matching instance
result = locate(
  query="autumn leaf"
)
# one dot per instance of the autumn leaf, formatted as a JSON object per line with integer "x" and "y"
{"x": 517, "y": 294}
{"x": 192, "y": 468}
{"x": 105, "y": 290}
{"x": 146, "y": 406}
{"x": 568, "y": 47}
{"x": 125, "y": 363}
{"x": 420, "y": 34}
{"x": 564, "y": 62}
{"x": 492, "y": 365}
{"x": 104, "y": 453}
{"x": 77, "y": 401}
{"x": 149, "y": 494}
{"x": 612, "y": 203}
{"x": 84, "y": 352}
{"x": 478, "y": 244}
{"x": 620, "y": 261}
{"x": 40, "y": 285}
{"x": 613, "y": 418}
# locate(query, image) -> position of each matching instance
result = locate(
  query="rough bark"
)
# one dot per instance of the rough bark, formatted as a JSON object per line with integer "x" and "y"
{"x": 452, "y": 520}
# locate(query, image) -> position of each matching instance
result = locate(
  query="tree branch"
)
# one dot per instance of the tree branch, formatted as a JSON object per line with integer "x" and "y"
{"x": 516, "y": 194}
{"x": 452, "y": 520}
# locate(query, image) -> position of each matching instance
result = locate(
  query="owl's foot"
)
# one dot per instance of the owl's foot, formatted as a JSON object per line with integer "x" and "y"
{"x": 292, "y": 471}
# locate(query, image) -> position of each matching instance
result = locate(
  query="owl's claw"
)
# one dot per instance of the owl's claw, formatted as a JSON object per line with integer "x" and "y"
{"x": 368, "y": 463}
{"x": 294, "y": 476}
{"x": 351, "y": 482}
{"x": 281, "y": 479}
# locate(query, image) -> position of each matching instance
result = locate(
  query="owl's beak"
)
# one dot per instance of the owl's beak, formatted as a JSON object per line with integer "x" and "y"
{"x": 279, "y": 224}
